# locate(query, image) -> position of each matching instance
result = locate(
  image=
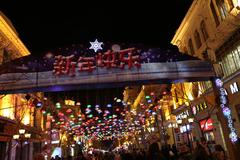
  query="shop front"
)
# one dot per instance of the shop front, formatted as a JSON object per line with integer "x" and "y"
{"x": 183, "y": 130}
{"x": 206, "y": 123}
{"x": 207, "y": 129}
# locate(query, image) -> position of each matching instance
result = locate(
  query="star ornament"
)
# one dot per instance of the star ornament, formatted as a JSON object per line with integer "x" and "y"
{"x": 96, "y": 45}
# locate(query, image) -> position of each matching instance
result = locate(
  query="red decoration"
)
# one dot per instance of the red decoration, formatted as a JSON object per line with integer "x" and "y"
{"x": 65, "y": 65}
{"x": 206, "y": 124}
{"x": 126, "y": 57}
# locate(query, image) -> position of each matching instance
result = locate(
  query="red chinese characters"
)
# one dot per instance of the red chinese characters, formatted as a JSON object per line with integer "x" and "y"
{"x": 126, "y": 57}
{"x": 86, "y": 64}
{"x": 66, "y": 65}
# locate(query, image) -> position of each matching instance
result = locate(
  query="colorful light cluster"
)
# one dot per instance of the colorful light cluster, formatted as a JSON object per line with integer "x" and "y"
{"x": 226, "y": 110}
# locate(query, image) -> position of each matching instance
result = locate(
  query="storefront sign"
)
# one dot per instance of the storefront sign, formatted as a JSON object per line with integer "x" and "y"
{"x": 68, "y": 65}
{"x": 184, "y": 128}
{"x": 198, "y": 108}
{"x": 234, "y": 88}
{"x": 207, "y": 124}
{"x": 226, "y": 110}
{"x": 182, "y": 115}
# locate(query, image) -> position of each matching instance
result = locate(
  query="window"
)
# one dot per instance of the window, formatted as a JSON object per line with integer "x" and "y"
{"x": 238, "y": 110}
{"x": 213, "y": 10}
{"x": 222, "y": 8}
{"x": 230, "y": 61}
{"x": 204, "y": 30}
{"x": 197, "y": 39}
{"x": 190, "y": 46}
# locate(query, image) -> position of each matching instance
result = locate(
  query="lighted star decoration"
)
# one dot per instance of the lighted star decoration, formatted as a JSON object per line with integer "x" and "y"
{"x": 96, "y": 45}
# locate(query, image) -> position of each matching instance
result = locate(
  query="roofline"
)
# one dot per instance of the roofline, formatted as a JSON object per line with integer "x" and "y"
{"x": 183, "y": 24}
{"x": 9, "y": 31}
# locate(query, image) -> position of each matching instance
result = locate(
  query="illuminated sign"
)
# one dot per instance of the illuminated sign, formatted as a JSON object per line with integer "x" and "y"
{"x": 184, "y": 128}
{"x": 198, "y": 108}
{"x": 207, "y": 124}
{"x": 234, "y": 87}
{"x": 226, "y": 110}
{"x": 68, "y": 65}
{"x": 183, "y": 115}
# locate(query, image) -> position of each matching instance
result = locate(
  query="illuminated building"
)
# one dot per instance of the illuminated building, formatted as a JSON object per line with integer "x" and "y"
{"x": 17, "y": 111}
{"x": 210, "y": 30}
{"x": 11, "y": 47}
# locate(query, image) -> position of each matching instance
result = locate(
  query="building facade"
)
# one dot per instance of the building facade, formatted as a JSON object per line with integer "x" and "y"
{"x": 18, "y": 111}
{"x": 210, "y": 31}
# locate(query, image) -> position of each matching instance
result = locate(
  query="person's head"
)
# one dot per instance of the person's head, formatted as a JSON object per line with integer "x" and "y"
{"x": 153, "y": 148}
{"x": 203, "y": 141}
{"x": 39, "y": 156}
{"x": 219, "y": 148}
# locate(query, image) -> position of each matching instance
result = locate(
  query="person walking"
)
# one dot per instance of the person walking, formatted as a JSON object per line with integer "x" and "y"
{"x": 154, "y": 153}
{"x": 219, "y": 153}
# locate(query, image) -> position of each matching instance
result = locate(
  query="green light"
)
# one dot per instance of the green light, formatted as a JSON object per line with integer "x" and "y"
{"x": 58, "y": 105}
{"x": 109, "y": 116}
{"x": 90, "y": 116}
{"x": 71, "y": 115}
{"x": 147, "y": 97}
{"x": 99, "y": 121}
{"x": 89, "y": 106}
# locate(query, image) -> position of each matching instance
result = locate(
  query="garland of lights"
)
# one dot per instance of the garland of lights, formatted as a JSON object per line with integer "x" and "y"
{"x": 226, "y": 110}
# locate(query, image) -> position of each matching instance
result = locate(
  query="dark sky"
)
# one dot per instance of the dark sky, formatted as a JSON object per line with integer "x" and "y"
{"x": 45, "y": 26}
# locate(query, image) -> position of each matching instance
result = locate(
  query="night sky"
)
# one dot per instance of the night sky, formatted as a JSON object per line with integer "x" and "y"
{"x": 44, "y": 26}
{"x": 47, "y": 26}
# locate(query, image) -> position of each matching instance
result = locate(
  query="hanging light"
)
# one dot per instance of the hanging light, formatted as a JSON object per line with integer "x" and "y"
{"x": 16, "y": 136}
{"x": 21, "y": 131}
{"x": 27, "y": 135}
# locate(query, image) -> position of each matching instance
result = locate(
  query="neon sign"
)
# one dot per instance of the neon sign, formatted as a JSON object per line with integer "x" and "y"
{"x": 207, "y": 124}
{"x": 226, "y": 110}
{"x": 68, "y": 65}
{"x": 198, "y": 108}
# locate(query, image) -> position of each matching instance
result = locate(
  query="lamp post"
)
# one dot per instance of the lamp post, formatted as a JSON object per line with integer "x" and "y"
{"x": 21, "y": 137}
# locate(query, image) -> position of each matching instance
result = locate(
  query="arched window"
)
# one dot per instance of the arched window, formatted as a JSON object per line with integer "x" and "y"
{"x": 204, "y": 30}
{"x": 190, "y": 46}
{"x": 222, "y": 8}
{"x": 214, "y": 12}
{"x": 197, "y": 39}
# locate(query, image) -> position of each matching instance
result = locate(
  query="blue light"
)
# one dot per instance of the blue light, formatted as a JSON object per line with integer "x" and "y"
{"x": 57, "y": 151}
{"x": 39, "y": 104}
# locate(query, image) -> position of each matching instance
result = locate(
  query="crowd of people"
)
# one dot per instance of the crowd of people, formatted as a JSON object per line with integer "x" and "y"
{"x": 199, "y": 150}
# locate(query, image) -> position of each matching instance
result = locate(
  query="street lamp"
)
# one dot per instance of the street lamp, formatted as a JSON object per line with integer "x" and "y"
{"x": 21, "y": 137}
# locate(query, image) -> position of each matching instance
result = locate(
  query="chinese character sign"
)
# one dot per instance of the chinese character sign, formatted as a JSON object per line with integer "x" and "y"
{"x": 68, "y": 65}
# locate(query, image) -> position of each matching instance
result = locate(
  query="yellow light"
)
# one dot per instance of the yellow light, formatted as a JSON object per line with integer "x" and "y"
{"x": 21, "y": 131}
{"x": 190, "y": 120}
{"x": 7, "y": 107}
{"x": 27, "y": 135}
{"x": 16, "y": 136}
{"x": 26, "y": 115}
